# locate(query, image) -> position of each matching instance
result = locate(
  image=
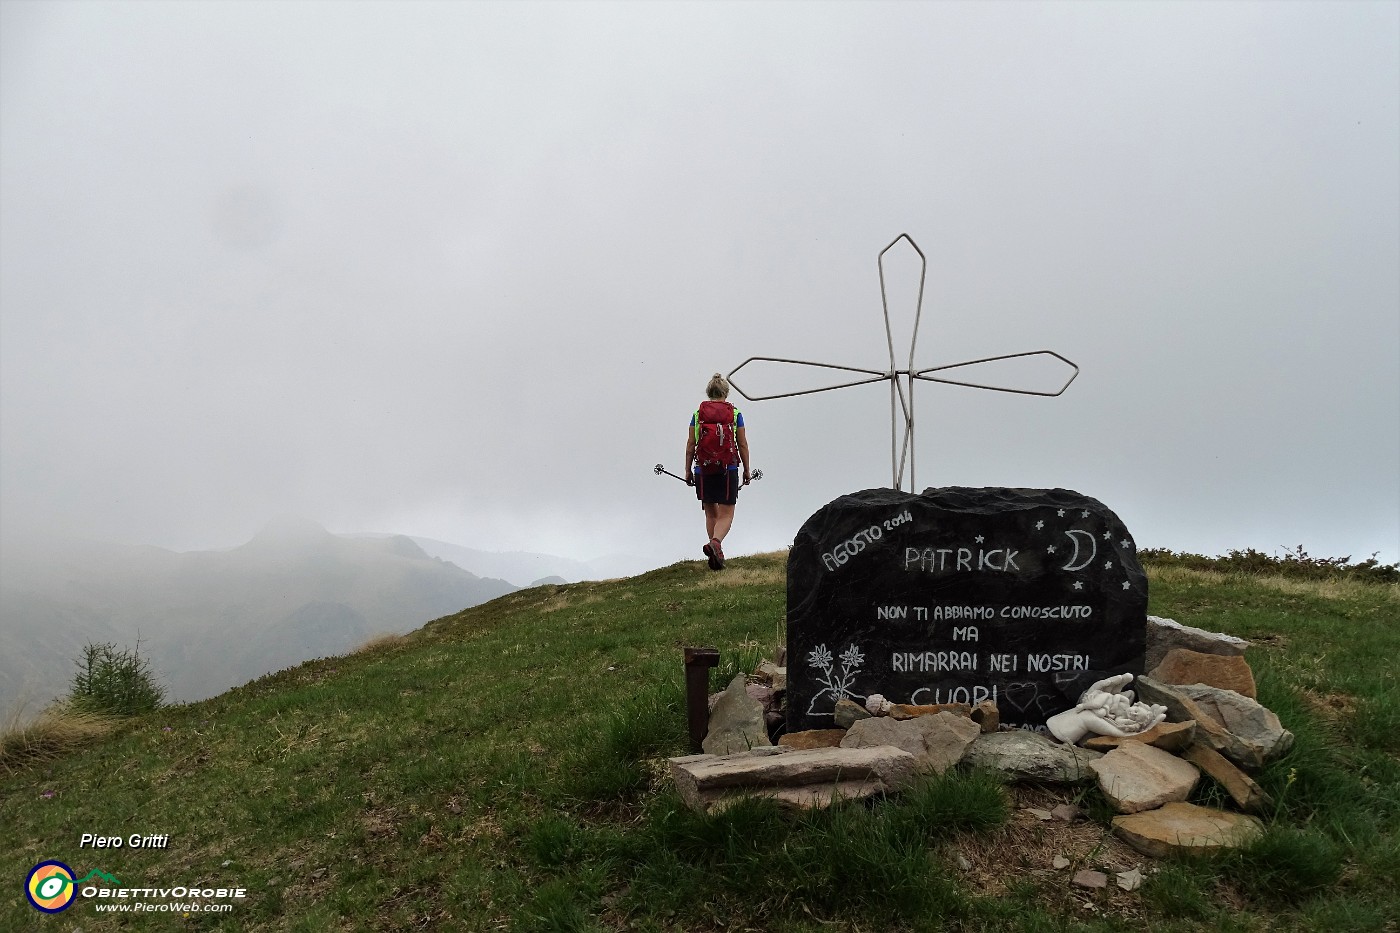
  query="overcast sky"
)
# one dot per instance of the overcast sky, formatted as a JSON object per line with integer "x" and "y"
{"x": 462, "y": 270}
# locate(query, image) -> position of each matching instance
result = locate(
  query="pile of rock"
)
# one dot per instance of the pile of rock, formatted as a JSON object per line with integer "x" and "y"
{"x": 867, "y": 755}
{"x": 1214, "y": 727}
{"x": 864, "y": 754}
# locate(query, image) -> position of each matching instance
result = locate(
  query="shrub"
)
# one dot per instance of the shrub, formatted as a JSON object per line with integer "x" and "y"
{"x": 1297, "y": 563}
{"x": 115, "y": 681}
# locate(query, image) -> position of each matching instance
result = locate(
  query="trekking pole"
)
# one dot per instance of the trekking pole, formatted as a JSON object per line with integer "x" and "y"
{"x": 754, "y": 475}
{"x": 662, "y": 469}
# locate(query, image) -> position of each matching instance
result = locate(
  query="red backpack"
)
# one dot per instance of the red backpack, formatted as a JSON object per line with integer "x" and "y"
{"x": 716, "y": 436}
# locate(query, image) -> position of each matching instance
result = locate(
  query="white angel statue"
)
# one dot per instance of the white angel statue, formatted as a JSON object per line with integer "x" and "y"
{"x": 1106, "y": 709}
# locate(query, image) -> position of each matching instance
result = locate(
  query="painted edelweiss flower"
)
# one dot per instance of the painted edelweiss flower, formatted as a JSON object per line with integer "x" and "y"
{"x": 836, "y": 682}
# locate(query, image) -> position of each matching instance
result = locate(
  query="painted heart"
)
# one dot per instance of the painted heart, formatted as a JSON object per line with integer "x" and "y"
{"x": 1021, "y": 696}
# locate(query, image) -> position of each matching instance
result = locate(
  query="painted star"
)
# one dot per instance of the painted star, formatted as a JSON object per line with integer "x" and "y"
{"x": 1050, "y": 549}
{"x": 1084, "y": 514}
{"x": 1126, "y": 584}
{"x": 1061, "y": 513}
{"x": 1078, "y": 585}
{"x": 1108, "y": 565}
{"x": 1108, "y": 536}
{"x": 1125, "y": 543}
{"x": 980, "y": 539}
{"x": 1039, "y": 525}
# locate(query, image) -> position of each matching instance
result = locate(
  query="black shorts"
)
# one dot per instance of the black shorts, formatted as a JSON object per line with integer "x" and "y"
{"x": 717, "y": 488}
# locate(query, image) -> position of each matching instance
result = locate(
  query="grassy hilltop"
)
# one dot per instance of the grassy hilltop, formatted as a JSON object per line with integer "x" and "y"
{"x": 503, "y": 768}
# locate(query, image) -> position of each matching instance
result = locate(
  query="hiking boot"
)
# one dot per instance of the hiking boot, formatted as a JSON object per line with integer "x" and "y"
{"x": 711, "y": 556}
{"x": 718, "y": 552}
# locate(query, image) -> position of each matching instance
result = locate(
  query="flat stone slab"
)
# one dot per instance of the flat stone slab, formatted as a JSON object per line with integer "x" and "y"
{"x": 806, "y": 797}
{"x": 938, "y": 741}
{"x": 705, "y": 781}
{"x": 870, "y": 733}
{"x": 1028, "y": 756}
{"x": 1228, "y": 672}
{"x": 1168, "y": 736}
{"x": 813, "y": 738}
{"x": 1248, "y": 795}
{"x": 1089, "y": 878}
{"x": 905, "y": 711}
{"x": 1218, "y": 715}
{"x": 1165, "y": 634}
{"x": 1136, "y": 777}
{"x": 1252, "y": 723}
{"x": 1179, "y": 828}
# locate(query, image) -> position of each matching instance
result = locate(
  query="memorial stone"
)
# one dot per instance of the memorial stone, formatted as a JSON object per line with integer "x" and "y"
{"x": 1023, "y": 597}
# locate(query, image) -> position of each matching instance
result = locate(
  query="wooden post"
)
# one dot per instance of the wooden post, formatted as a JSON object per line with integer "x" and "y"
{"x": 698, "y": 662}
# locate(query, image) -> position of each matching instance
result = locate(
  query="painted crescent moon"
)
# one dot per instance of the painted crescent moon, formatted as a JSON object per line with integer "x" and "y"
{"x": 1074, "y": 562}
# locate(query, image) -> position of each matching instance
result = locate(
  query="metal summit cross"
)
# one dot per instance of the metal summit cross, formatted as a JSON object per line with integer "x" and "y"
{"x": 902, "y": 380}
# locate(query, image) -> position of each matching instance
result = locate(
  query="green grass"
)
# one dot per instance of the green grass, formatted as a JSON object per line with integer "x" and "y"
{"x": 503, "y": 769}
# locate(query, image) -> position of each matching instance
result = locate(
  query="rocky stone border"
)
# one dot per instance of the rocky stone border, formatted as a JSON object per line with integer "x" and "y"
{"x": 1214, "y": 728}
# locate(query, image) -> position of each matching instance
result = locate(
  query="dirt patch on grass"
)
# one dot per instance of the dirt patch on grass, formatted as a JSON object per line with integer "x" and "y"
{"x": 1334, "y": 707}
{"x": 380, "y": 822}
{"x": 482, "y": 826}
{"x": 1023, "y": 851}
{"x": 382, "y": 642}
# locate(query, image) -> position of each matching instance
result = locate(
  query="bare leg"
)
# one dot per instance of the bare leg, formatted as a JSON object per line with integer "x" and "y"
{"x": 711, "y": 517}
{"x": 724, "y": 518}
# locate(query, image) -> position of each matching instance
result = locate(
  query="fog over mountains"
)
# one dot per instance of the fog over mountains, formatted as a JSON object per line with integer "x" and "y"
{"x": 525, "y": 568}
{"x": 211, "y": 620}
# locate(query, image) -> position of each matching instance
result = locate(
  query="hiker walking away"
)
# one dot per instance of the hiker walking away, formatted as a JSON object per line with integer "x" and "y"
{"x": 716, "y": 446}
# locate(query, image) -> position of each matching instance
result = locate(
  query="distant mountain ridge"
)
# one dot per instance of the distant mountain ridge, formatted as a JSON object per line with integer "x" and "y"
{"x": 210, "y": 620}
{"x": 526, "y": 568}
